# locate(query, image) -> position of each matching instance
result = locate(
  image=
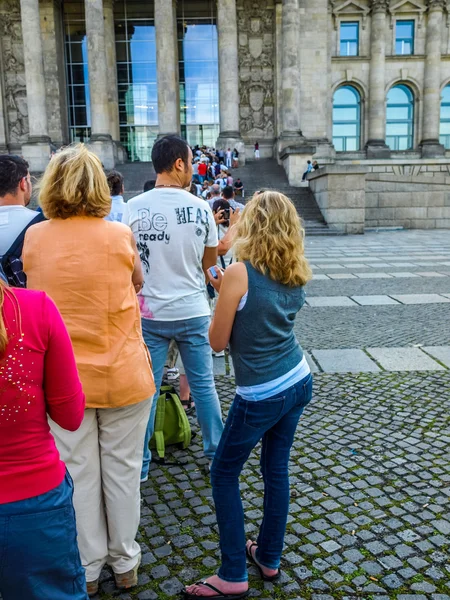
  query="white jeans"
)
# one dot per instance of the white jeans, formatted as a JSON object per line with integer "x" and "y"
{"x": 104, "y": 458}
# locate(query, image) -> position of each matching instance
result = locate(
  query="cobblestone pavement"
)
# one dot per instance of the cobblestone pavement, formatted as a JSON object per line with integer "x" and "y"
{"x": 370, "y": 467}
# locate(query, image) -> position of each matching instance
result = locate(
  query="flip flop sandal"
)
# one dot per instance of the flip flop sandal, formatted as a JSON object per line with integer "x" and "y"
{"x": 220, "y": 596}
{"x": 188, "y": 405}
{"x": 251, "y": 558}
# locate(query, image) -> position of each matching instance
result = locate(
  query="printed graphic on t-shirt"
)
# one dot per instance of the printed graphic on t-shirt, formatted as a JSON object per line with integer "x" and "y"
{"x": 153, "y": 228}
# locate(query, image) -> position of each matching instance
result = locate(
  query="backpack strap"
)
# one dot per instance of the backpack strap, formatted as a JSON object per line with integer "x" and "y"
{"x": 17, "y": 246}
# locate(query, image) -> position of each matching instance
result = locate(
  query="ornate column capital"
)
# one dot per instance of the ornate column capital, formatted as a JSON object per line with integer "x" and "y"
{"x": 436, "y": 4}
{"x": 380, "y": 5}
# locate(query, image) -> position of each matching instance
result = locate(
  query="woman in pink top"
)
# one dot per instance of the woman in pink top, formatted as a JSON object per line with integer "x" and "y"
{"x": 39, "y": 555}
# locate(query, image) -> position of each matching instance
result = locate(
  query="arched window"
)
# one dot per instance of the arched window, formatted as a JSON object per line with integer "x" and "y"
{"x": 346, "y": 119}
{"x": 400, "y": 118}
{"x": 444, "y": 129}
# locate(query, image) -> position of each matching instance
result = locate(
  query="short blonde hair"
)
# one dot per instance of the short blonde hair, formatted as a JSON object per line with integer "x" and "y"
{"x": 270, "y": 236}
{"x": 74, "y": 184}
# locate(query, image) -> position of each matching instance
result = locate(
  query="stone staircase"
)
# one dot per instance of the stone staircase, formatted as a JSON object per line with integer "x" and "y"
{"x": 256, "y": 175}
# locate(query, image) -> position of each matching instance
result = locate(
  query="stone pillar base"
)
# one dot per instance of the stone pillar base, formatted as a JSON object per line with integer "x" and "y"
{"x": 232, "y": 139}
{"x": 377, "y": 149}
{"x": 432, "y": 149}
{"x": 104, "y": 147}
{"x": 37, "y": 152}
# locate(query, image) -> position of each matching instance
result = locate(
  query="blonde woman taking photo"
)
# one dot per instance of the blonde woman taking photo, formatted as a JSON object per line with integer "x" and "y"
{"x": 259, "y": 299}
{"x": 91, "y": 269}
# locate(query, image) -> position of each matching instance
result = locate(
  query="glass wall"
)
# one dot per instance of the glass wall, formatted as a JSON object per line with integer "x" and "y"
{"x": 400, "y": 118}
{"x": 78, "y": 98}
{"x": 136, "y": 77}
{"x": 346, "y": 119}
{"x": 198, "y": 70}
{"x": 444, "y": 128}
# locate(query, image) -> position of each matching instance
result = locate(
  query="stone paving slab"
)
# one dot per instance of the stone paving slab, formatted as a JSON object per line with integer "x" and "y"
{"x": 312, "y": 364}
{"x": 403, "y": 359}
{"x": 342, "y": 276}
{"x": 420, "y": 298}
{"x": 405, "y": 274}
{"x": 320, "y": 301}
{"x": 344, "y": 361}
{"x": 374, "y": 276}
{"x": 374, "y": 300}
{"x": 442, "y": 353}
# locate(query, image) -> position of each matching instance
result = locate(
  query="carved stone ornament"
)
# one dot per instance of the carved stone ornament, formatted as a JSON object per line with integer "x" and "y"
{"x": 256, "y": 68}
{"x": 347, "y": 8}
{"x": 408, "y": 6}
{"x": 440, "y": 4}
{"x": 379, "y": 5}
{"x": 11, "y": 47}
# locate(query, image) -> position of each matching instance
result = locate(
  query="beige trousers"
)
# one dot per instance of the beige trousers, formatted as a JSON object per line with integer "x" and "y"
{"x": 104, "y": 458}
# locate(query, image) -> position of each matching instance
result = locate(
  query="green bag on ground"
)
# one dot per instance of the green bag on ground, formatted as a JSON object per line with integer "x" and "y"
{"x": 171, "y": 423}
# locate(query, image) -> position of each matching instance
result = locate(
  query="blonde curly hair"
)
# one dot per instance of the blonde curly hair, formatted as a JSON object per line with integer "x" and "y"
{"x": 270, "y": 236}
{"x": 74, "y": 184}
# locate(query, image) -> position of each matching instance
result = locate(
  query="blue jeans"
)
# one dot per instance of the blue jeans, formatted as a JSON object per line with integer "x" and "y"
{"x": 39, "y": 556}
{"x": 275, "y": 421}
{"x": 191, "y": 336}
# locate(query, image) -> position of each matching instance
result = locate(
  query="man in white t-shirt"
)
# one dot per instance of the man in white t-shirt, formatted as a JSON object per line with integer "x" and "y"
{"x": 177, "y": 240}
{"x": 15, "y": 195}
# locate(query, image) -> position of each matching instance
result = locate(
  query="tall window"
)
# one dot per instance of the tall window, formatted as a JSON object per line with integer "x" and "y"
{"x": 346, "y": 119}
{"x": 349, "y": 39}
{"x": 444, "y": 129}
{"x": 400, "y": 118}
{"x": 199, "y": 71}
{"x": 78, "y": 97}
{"x": 404, "y": 37}
{"x": 136, "y": 77}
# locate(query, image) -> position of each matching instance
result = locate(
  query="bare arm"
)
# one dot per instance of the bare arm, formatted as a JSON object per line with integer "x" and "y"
{"x": 138, "y": 274}
{"x": 226, "y": 242}
{"x": 232, "y": 286}
{"x": 209, "y": 259}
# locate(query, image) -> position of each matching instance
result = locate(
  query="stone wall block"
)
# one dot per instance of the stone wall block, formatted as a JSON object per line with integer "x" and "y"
{"x": 441, "y": 212}
{"x": 415, "y": 212}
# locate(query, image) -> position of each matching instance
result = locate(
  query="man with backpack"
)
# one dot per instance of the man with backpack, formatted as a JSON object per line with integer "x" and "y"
{"x": 15, "y": 217}
{"x": 176, "y": 237}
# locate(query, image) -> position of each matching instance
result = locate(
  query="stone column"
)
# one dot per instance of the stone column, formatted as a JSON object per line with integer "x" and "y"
{"x": 54, "y": 70}
{"x": 432, "y": 82}
{"x": 167, "y": 68}
{"x": 290, "y": 70}
{"x": 229, "y": 136}
{"x": 376, "y": 146}
{"x": 37, "y": 149}
{"x": 278, "y": 67}
{"x": 111, "y": 65}
{"x": 101, "y": 139}
{"x": 3, "y": 141}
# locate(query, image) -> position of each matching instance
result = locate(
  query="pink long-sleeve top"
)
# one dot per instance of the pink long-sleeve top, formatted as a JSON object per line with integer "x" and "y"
{"x": 38, "y": 377}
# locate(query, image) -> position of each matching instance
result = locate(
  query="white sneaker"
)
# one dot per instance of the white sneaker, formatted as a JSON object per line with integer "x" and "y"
{"x": 172, "y": 374}
{"x": 219, "y": 354}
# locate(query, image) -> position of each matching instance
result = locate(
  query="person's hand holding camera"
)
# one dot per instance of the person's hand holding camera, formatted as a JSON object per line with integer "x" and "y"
{"x": 219, "y": 217}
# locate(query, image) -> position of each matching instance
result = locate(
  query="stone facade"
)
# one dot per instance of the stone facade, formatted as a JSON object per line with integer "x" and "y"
{"x": 257, "y": 72}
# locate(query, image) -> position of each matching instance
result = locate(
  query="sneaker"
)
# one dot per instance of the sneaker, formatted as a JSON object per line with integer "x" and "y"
{"x": 219, "y": 354}
{"x": 144, "y": 479}
{"x": 173, "y": 374}
{"x": 125, "y": 581}
{"x": 92, "y": 587}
